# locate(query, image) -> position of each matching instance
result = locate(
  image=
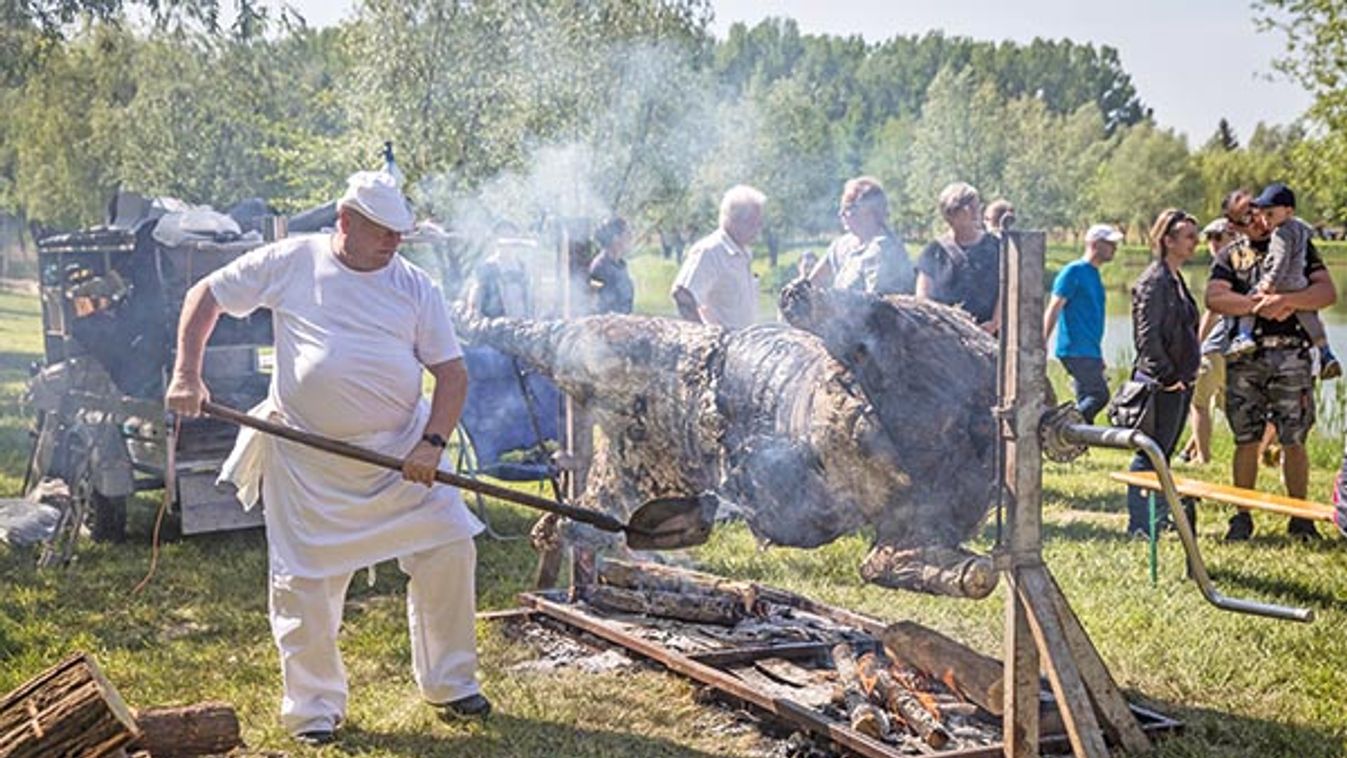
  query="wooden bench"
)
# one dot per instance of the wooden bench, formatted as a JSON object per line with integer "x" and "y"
{"x": 1236, "y": 496}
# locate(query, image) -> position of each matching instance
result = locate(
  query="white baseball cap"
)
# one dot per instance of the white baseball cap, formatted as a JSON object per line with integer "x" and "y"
{"x": 376, "y": 196}
{"x": 1103, "y": 232}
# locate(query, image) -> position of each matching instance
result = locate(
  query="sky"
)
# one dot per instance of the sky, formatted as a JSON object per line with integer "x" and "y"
{"x": 1192, "y": 61}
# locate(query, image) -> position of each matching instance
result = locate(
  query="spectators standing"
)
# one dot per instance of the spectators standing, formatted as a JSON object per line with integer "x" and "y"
{"x": 996, "y": 214}
{"x": 1284, "y": 271}
{"x": 962, "y": 267}
{"x": 1164, "y": 331}
{"x": 609, "y": 280}
{"x": 1076, "y": 313}
{"x": 1275, "y": 382}
{"x": 1209, "y": 389}
{"x": 870, "y": 256}
{"x": 715, "y": 284}
{"x": 500, "y": 286}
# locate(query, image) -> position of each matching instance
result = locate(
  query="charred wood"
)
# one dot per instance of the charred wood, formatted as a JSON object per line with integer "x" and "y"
{"x": 652, "y": 576}
{"x": 701, "y": 609}
{"x": 880, "y": 686}
{"x": 977, "y": 677}
{"x": 864, "y": 716}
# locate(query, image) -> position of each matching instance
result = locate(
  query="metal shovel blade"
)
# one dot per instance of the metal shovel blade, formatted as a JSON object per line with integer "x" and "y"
{"x": 669, "y": 523}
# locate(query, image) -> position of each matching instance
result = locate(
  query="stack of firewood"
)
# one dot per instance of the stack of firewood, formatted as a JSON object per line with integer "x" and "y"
{"x": 670, "y": 593}
{"x": 71, "y": 709}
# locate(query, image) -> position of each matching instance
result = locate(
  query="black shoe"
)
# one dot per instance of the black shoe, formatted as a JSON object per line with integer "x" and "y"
{"x": 472, "y": 706}
{"x": 316, "y": 737}
{"x": 1303, "y": 530}
{"x": 1241, "y": 528}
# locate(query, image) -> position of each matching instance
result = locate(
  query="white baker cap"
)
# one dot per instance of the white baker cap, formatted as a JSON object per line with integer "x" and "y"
{"x": 1103, "y": 232}
{"x": 376, "y": 196}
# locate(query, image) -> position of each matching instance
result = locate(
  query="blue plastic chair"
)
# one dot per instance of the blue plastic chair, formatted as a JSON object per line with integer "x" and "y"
{"x": 508, "y": 409}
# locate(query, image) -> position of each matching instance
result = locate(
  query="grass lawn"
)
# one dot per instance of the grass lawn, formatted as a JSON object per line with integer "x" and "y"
{"x": 1244, "y": 686}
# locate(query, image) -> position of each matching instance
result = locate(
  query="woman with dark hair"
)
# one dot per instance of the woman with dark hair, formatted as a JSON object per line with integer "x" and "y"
{"x": 1164, "y": 332}
{"x": 609, "y": 280}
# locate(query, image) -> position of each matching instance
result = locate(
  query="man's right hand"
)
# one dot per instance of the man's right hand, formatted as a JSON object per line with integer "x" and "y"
{"x": 185, "y": 395}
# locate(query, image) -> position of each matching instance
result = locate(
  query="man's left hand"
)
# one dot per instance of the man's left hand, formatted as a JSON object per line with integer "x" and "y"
{"x": 422, "y": 463}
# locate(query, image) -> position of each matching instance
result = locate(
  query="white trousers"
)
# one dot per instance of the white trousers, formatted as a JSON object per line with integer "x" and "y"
{"x": 306, "y": 616}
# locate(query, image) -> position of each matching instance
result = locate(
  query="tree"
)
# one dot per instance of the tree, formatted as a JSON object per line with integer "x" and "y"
{"x": 1316, "y": 56}
{"x": 1224, "y": 138}
{"x": 1149, "y": 171}
{"x": 960, "y": 137}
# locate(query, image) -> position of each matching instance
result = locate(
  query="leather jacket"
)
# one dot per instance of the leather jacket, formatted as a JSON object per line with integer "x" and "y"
{"x": 1164, "y": 327}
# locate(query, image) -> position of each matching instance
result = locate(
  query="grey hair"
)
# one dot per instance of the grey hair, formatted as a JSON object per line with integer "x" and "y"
{"x": 738, "y": 201}
{"x": 955, "y": 196}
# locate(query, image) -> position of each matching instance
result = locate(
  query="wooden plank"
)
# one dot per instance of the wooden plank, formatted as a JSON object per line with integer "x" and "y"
{"x": 1237, "y": 496}
{"x": 1073, "y": 700}
{"x": 1116, "y": 716}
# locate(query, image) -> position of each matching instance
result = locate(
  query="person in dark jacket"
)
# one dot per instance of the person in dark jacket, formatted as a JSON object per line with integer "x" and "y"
{"x": 1164, "y": 332}
{"x": 609, "y": 280}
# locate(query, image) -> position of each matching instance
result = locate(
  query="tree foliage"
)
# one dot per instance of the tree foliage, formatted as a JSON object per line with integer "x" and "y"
{"x": 542, "y": 108}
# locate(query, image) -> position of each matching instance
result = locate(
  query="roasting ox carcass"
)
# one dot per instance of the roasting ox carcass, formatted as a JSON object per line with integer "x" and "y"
{"x": 767, "y": 419}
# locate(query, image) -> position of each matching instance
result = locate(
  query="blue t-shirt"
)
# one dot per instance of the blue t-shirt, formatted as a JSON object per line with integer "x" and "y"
{"x": 1080, "y": 324}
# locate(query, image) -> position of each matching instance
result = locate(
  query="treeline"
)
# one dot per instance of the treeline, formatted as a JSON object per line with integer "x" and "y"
{"x": 546, "y": 108}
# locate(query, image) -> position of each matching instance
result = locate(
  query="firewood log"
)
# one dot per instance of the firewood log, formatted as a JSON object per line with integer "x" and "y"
{"x": 652, "y": 576}
{"x": 977, "y": 677}
{"x": 698, "y": 608}
{"x": 880, "y": 686}
{"x": 863, "y": 715}
{"x": 201, "y": 729}
{"x": 69, "y": 709}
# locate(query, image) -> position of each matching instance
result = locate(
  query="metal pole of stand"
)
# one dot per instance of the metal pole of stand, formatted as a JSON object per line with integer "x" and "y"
{"x": 1040, "y": 625}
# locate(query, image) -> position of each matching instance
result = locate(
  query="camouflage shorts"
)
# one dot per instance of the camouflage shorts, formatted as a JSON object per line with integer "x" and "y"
{"x": 1271, "y": 385}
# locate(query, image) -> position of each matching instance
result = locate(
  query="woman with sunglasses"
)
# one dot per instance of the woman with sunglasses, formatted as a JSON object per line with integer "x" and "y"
{"x": 870, "y": 256}
{"x": 1164, "y": 332}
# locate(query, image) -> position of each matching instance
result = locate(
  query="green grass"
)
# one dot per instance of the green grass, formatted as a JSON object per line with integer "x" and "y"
{"x": 1245, "y": 686}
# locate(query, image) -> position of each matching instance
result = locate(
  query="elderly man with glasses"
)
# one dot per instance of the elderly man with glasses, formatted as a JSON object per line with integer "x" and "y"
{"x": 1275, "y": 382}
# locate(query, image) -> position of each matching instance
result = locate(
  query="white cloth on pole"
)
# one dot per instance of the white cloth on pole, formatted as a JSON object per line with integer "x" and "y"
{"x": 350, "y": 351}
{"x": 306, "y": 619}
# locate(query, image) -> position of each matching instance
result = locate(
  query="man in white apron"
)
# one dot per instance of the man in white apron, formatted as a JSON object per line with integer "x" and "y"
{"x": 355, "y": 325}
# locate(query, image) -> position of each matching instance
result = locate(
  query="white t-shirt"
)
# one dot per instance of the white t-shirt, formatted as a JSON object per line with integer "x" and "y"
{"x": 350, "y": 350}
{"x": 717, "y": 273}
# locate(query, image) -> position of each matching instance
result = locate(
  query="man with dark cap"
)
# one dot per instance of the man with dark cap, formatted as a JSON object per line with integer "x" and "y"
{"x": 1273, "y": 383}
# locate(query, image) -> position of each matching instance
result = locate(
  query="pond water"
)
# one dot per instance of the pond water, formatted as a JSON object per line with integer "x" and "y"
{"x": 1331, "y": 397}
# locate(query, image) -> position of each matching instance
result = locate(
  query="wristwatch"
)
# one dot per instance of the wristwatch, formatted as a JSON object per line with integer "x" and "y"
{"x": 435, "y": 440}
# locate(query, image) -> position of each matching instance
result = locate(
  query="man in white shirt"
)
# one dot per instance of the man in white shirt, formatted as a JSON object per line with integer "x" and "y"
{"x": 716, "y": 283}
{"x": 355, "y": 326}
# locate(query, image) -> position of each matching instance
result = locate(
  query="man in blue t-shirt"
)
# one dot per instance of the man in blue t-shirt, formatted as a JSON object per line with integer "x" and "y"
{"x": 1076, "y": 311}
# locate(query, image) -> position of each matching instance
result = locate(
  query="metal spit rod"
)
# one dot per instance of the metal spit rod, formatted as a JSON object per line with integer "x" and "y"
{"x": 1131, "y": 439}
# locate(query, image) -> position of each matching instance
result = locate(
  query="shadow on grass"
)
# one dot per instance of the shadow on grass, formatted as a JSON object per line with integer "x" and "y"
{"x": 506, "y": 735}
{"x": 1209, "y": 732}
{"x": 1083, "y": 531}
{"x": 1267, "y": 586}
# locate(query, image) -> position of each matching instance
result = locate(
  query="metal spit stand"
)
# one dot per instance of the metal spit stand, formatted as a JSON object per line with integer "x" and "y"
{"x": 1040, "y": 626}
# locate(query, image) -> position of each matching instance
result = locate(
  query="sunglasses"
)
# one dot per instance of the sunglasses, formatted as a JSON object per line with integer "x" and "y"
{"x": 1176, "y": 218}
